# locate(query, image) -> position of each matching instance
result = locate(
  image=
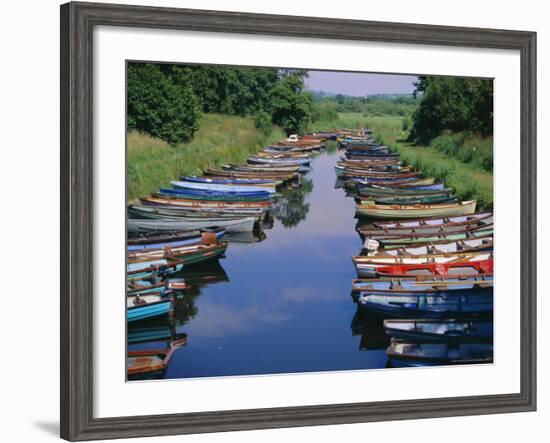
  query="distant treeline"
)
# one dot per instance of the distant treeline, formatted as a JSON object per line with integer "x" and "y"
{"x": 375, "y": 105}
{"x": 166, "y": 100}
{"x": 452, "y": 104}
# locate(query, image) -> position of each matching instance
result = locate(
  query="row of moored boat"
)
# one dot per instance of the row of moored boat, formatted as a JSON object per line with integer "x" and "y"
{"x": 194, "y": 221}
{"x": 426, "y": 268}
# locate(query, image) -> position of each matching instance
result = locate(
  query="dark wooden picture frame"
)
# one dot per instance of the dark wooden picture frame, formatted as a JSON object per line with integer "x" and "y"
{"x": 77, "y": 23}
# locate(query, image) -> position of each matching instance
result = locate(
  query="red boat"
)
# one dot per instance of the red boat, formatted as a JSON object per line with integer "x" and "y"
{"x": 474, "y": 268}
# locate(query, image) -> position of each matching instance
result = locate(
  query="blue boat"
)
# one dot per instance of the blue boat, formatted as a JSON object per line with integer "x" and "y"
{"x": 403, "y": 354}
{"x": 279, "y": 161}
{"x": 229, "y": 181}
{"x": 155, "y": 241}
{"x": 364, "y": 182}
{"x": 473, "y": 304}
{"x": 440, "y": 330}
{"x": 148, "y": 306}
{"x": 212, "y": 193}
{"x": 398, "y": 286}
{"x": 220, "y": 188}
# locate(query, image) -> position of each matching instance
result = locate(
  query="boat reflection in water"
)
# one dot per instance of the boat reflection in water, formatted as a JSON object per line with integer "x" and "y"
{"x": 371, "y": 330}
{"x": 291, "y": 208}
{"x": 246, "y": 237}
{"x": 152, "y": 343}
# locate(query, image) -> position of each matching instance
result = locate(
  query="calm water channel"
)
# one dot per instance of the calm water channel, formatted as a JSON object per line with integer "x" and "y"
{"x": 282, "y": 304}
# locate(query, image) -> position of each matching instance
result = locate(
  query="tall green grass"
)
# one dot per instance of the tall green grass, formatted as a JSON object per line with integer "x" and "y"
{"x": 469, "y": 180}
{"x": 152, "y": 163}
{"x": 467, "y": 148}
{"x": 450, "y": 157}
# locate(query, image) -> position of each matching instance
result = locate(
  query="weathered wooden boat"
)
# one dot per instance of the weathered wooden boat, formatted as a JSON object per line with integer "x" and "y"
{"x": 204, "y": 205}
{"x": 142, "y": 226}
{"x": 284, "y": 154}
{"x": 141, "y": 307}
{"x": 373, "y": 154}
{"x": 412, "y": 223}
{"x": 429, "y": 269}
{"x": 223, "y": 187}
{"x": 183, "y": 255}
{"x": 411, "y": 186}
{"x": 285, "y": 161}
{"x": 246, "y": 182}
{"x": 420, "y": 239}
{"x": 150, "y": 363}
{"x": 408, "y": 200}
{"x": 142, "y": 287}
{"x": 277, "y": 176}
{"x": 419, "y": 183}
{"x": 192, "y": 194}
{"x": 416, "y": 211}
{"x": 146, "y": 333}
{"x": 379, "y": 191}
{"x": 391, "y": 159}
{"x": 374, "y": 166}
{"x": 434, "y": 247}
{"x": 172, "y": 239}
{"x": 155, "y": 211}
{"x": 416, "y": 284}
{"x": 447, "y": 331}
{"x": 428, "y": 305}
{"x": 369, "y": 173}
{"x": 427, "y": 226}
{"x": 402, "y": 354}
{"x": 269, "y": 168}
{"x": 151, "y": 268}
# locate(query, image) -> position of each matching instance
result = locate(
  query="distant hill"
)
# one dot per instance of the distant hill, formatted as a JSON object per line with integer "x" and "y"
{"x": 319, "y": 95}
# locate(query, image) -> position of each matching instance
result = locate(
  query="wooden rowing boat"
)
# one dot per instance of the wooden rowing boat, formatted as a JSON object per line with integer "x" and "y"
{"x": 171, "y": 239}
{"x": 151, "y": 363}
{"x": 146, "y": 306}
{"x": 416, "y": 211}
{"x": 403, "y": 354}
{"x": 182, "y": 255}
{"x": 428, "y": 268}
{"x": 436, "y": 331}
{"x": 142, "y": 226}
{"x": 434, "y": 247}
{"x": 223, "y": 187}
{"x": 428, "y": 305}
{"x": 204, "y": 205}
{"x": 408, "y": 200}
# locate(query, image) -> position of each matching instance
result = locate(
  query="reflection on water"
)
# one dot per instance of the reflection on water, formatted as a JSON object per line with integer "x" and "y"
{"x": 279, "y": 301}
{"x": 291, "y": 207}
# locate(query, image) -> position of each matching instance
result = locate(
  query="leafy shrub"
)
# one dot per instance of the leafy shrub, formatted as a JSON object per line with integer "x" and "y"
{"x": 262, "y": 121}
{"x": 159, "y": 107}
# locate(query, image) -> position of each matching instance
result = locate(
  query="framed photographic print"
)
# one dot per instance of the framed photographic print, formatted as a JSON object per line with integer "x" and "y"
{"x": 273, "y": 221}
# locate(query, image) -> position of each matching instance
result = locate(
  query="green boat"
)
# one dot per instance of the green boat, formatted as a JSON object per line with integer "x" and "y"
{"x": 410, "y": 200}
{"x": 377, "y": 191}
{"x": 434, "y": 238}
{"x": 218, "y": 197}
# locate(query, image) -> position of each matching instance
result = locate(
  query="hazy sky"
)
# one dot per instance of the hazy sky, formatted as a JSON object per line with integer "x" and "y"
{"x": 359, "y": 84}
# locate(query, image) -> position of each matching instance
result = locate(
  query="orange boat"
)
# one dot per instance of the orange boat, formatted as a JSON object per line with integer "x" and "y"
{"x": 151, "y": 363}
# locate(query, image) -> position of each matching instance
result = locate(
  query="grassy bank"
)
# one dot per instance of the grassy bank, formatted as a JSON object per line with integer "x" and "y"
{"x": 470, "y": 180}
{"x": 220, "y": 139}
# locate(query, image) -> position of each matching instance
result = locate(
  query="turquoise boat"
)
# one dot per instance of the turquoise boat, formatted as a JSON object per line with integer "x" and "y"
{"x": 146, "y": 306}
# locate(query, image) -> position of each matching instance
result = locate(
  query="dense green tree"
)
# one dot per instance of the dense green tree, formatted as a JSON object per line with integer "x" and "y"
{"x": 289, "y": 105}
{"x": 158, "y": 106}
{"x": 455, "y": 104}
{"x": 325, "y": 110}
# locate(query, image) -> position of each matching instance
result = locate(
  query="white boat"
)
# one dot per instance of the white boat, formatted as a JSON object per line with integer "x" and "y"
{"x": 245, "y": 224}
{"x": 221, "y": 188}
